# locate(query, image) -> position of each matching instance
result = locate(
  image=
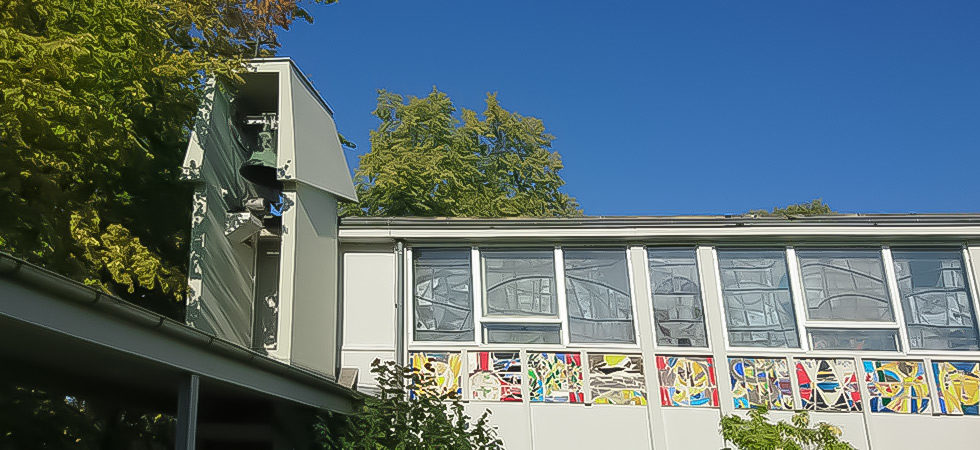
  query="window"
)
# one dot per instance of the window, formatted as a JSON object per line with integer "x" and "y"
{"x": 853, "y": 339}
{"x": 520, "y": 283}
{"x": 443, "y": 295}
{"x": 678, "y": 311}
{"x": 520, "y": 297}
{"x": 846, "y": 285}
{"x": 757, "y": 299}
{"x": 936, "y": 302}
{"x": 597, "y": 289}
{"x": 845, "y": 293}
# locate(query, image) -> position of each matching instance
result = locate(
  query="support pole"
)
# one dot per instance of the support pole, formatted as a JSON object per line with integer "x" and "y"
{"x": 187, "y": 412}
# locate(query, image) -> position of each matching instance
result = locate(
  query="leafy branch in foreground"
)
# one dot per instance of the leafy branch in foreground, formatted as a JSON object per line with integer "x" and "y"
{"x": 410, "y": 412}
{"x": 758, "y": 433}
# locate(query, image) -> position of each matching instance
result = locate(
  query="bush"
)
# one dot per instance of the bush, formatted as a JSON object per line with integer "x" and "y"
{"x": 757, "y": 432}
{"x": 409, "y": 413}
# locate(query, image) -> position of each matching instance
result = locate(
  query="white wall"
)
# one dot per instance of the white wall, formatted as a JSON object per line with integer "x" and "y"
{"x": 368, "y": 305}
{"x": 369, "y": 287}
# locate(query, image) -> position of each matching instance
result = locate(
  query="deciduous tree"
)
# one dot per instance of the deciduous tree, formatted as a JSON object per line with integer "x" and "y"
{"x": 426, "y": 160}
{"x": 96, "y": 100}
{"x": 815, "y": 207}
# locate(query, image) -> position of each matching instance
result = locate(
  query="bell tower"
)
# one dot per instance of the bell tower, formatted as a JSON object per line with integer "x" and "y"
{"x": 268, "y": 169}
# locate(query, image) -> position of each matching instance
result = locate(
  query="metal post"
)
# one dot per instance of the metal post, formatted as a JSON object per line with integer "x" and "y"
{"x": 187, "y": 412}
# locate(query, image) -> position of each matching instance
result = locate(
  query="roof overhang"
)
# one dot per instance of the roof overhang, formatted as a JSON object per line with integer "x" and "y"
{"x": 75, "y": 333}
{"x": 837, "y": 228}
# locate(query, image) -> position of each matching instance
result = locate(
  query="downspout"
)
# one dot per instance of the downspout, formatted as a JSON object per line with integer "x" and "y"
{"x": 400, "y": 302}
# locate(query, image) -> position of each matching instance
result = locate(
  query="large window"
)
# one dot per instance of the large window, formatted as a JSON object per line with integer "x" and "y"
{"x": 443, "y": 295}
{"x": 520, "y": 283}
{"x": 677, "y": 307}
{"x": 757, "y": 298}
{"x": 598, "y": 293}
{"x": 938, "y": 309}
{"x": 845, "y": 292}
{"x": 520, "y": 297}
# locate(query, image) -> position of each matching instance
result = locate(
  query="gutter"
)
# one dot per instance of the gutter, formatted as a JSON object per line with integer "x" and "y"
{"x": 45, "y": 280}
{"x": 606, "y": 222}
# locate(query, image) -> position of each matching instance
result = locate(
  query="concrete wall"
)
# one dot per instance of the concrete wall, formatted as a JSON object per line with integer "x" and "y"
{"x": 369, "y": 315}
{"x": 369, "y": 323}
{"x": 221, "y": 271}
{"x": 309, "y": 305}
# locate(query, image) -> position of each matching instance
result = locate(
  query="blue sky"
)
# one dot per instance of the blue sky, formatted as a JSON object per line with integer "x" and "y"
{"x": 688, "y": 106}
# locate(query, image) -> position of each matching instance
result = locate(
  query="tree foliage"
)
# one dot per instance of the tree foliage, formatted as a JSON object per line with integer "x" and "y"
{"x": 396, "y": 419}
{"x": 426, "y": 161}
{"x": 34, "y": 418}
{"x": 758, "y": 433}
{"x": 815, "y": 207}
{"x": 96, "y": 100}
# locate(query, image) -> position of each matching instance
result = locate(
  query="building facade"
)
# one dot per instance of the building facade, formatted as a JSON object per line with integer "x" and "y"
{"x": 633, "y": 332}
{"x": 643, "y": 332}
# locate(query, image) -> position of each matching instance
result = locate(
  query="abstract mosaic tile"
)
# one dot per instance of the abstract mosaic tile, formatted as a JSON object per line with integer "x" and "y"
{"x": 761, "y": 382}
{"x": 687, "y": 381}
{"x": 958, "y": 385}
{"x": 617, "y": 379}
{"x": 555, "y": 377}
{"x": 828, "y": 384}
{"x": 443, "y": 367}
{"x": 897, "y": 386}
{"x": 495, "y": 376}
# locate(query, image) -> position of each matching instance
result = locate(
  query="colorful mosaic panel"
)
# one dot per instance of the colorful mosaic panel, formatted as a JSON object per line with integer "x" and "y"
{"x": 828, "y": 384}
{"x": 444, "y": 369}
{"x": 617, "y": 379}
{"x": 959, "y": 387}
{"x": 555, "y": 377}
{"x": 687, "y": 381}
{"x": 495, "y": 376}
{"x": 897, "y": 386}
{"x": 761, "y": 382}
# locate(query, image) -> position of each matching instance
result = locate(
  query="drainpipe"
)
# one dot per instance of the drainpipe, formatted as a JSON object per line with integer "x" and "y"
{"x": 400, "y": 302}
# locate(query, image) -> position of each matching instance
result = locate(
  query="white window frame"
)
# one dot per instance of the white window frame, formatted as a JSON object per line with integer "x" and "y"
{"x": 802, "y": 316}
{"x": 972, "y": 288}
{"x": 561, "y": 319}
{"x": 659, "y": 348}
{"x": 759, "y": 351}
{"x": 477, "y": 267}
{"x": 409, "y": 307}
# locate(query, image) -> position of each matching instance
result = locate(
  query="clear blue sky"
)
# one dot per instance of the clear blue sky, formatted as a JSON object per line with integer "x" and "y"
{"x": 689, "y": 106}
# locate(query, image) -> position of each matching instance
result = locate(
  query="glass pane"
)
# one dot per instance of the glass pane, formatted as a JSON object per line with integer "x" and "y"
{"x": 935, "y": 299}
{"x": 758, "y": 303}
{"x": 678, "y": 311}
{"x": 520, "y": 283}
{"x": 845, "y": 285}
{"x": 598, "y": 291}
{"x": 500, "y": 333}
{"x": 853, "y": 339}
{"x": 443, "y": 295}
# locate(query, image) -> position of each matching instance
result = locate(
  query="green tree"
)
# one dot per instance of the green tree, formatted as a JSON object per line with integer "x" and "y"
{"x": 425, "y": 161}
{"x": 815, "y": 207}
{"x": 398, "y": 418}
{"x": 758, "y": 433}
{"x": 96, "y": 100}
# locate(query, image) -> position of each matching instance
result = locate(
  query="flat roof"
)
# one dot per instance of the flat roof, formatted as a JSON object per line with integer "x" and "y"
{"x": 836, "y": 227}
{"x": 648, "y": 221}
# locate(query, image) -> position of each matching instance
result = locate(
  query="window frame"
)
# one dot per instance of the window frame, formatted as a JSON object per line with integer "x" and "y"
{"x": 632, "y": 294}
{"x": 479, "y": 319}
{"x": 972, "y": 289}
{"x": 803, "y": 348}
{"x": 800, "y": 302}
{"x": 659, "y": 348}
